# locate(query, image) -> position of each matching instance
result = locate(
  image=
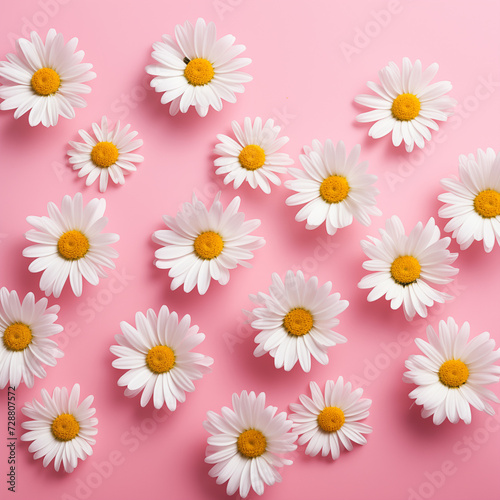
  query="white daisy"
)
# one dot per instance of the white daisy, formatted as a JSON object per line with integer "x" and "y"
{"x": 61, "y": 429}
{"x": 405, "y": 267}
{"x": 25, "y": 330}
{"x": 330, "y": 421}
{"x": 296, "y": 320}
{"x": 196, "y": 69}
{"x": 158, "y": 359}
{"x": 406, "y": 104}
{"x": 203, "y": 244}
{"x": 69, "y": 243}
{"x": 473, "y": 201}
{"x": 254, "y": 156}
{"x": 46, "y": 79}
{"x": 108, "y": 156}
{"x": 452, "y": 373}
{"x": 246, "y": 444}
{"x": 333, "y": 188}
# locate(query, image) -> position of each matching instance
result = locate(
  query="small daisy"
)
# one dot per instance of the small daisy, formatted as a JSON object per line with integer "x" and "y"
{"x": 405, "y": 267}
{"x": 254, "y": 156}
{"x": 158, "y": 359}
{"x": 45, "y": 79}
{"x": 196, "y": 69}
{"x": 333, "y": 188}
{"x": 330, "y": 421}
{"x": 452, "y": 373}
{"x": 61, "y": 429}
{"x": 69, "y": 243}
{"x": 108, "y": 156}
{"x": 25, "y": 329}
{"x": 406, "y": 104}
{"x": 246, "y": 444}
{"x": 203, "y": 244}
{"x": 296, "y": 320}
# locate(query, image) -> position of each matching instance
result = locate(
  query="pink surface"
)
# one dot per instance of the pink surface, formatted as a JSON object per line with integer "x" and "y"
{"x": 306, "y": 76}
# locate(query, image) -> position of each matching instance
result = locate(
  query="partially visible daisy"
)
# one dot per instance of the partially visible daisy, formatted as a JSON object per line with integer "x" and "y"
{"x": 69, "y": 244}
{"x": 329, "y": 421}
{"x": 452, "y": 372}
{"x": 25, "y": 329}
{"x": 203, "y": 244}
{"x": 254, "y": 156}
{"x": 404, "y": 267}
{"x": 334, "y": 188}
{"x": 296, "y": 320}
{"x": 246, "y": 444}
{"x": 60, "y": 428}
{"x": 196, "y": 69}
{"x": 108, "y": 156}
{"x": 473, "y": 200}
{"x": 46, "y": 79}
{"x": 407, "y": 104}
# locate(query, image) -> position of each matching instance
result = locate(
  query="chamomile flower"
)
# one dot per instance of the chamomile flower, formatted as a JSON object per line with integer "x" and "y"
{"x": 46, "y": 79}
{"x": 330, "y": 421}
{"x": 296, "y": 320}
{"x": 196, "y": 69}
{"x": 158, "y": 359}
{"x": 406, "y": 104}
{"x": 333, "y": 188}
{"x": 246, "y": 444}
{"x": 61, "y": 428}
{"x": 203, "y": 244}
{"x": 452, "y": 372}
{"x": 69, "y": 244}
{"x": 108, "y": 156}
{"x": 404, "y": 268}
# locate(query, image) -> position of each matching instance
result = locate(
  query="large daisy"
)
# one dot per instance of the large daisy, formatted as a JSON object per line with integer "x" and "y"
{"x": 61, "y": 428}
{"x": 158, "y": 359}
{"x": 203, "y": 244}
{"x": 196, "y": 69}
{"x": 246, "y": 444}
{"x": 452, "y": 372}
{"x": 46, "y": 79}
{"x": 406, "y": 103}
{"x": 296, "y": 320}
{"x": 404, "y": 268}
{"x": 69, "y": 243}
{"x": 332, "y": 187}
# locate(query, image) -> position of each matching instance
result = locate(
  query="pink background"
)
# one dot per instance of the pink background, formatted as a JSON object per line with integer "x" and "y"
{"x": 303, "y": 78}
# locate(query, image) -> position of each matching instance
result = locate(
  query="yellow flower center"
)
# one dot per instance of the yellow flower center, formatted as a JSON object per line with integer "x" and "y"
{"x": 251, "y": 443}
{"x": 405, "y": 107}
{"x": 199, "y": 71}
{"x": 208, "y": 245}
{"x": 331, "y": 419}
{"x": 298, "y": 322}
{"x": 405, "y": 270}
{"x": 17, "y": 337}
{"x": 65, "y": 427}
{"x": 334, "y": 189}
{"x": 160, "y": 359}
{"x": 487, "y": 203}
{"x": 104, "y": 154}
{"x": 73, "y": 245}
{"x": 45, "y": 81}
{"x": 453, "y": 373}
{"x": 252, "y": 157}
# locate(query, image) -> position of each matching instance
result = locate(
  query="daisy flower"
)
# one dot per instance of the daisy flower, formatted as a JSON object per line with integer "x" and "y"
{"x": 473, "y": 202}
{"x": 451, "y": 373}
{"x": 329, "y": 421}
{"x": 196, "y": 69}
{"x": 60, "y": 429}
{"x": 203, "y": 244}
{"x": 109, "y": 155}
{"x": 405, "y": 267}
{"x": 246, "y": 443}
{"x": 69, "y": 243}
{"x": 296, "y": 320}
{"x": 158, "y": 359}
{"x": 25, "y": 329}
{"x": 334, "y": 188}
{"x": 254, "y": 156}
{"x": 406, "y": 104}
{"x": 46, "y": 79}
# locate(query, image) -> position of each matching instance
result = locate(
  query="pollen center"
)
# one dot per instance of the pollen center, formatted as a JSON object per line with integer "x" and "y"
{"x": 208, "y": 245}
{"x": 405, "y": 269}
{"x": 199, "y": 71}
{"x": 487, "y": 203}
{"x": 104, "y": 154}
{"x": 331, "y": 419}
{"x": 17, "y": 337}
{"x": 453, "y": 373}
{"x": 298, "y": 322}
{"x": 65, "y": 427}
{"x": 45, "y": 82}
{"x": 73, "y": 245}
{"x": 160, "y": 359}
{"x": 334, "y": 189}
{"x": 251, "y": 443}
{"x": 405, "y": 107}
{"x": 252, "y": 157}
